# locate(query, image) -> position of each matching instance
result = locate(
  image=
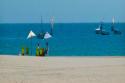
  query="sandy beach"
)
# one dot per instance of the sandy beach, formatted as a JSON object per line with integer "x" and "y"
{"x": 29, "y": 69}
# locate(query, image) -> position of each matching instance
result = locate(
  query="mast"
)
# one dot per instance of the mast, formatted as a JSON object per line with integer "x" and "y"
{"x": 101, "y": 24}
{"x": 41, "y": 34}
{"x": 41, "y": 25}
{"x": 113, "y": 22}
{"x": 52, "y": 25}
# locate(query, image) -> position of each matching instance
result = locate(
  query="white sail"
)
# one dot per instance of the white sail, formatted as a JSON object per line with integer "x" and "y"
{"x": 113, "y": 20}
{"x": 97, "y": 29}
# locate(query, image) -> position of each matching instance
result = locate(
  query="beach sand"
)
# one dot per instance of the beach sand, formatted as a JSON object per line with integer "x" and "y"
{"x": 29, "y": 69}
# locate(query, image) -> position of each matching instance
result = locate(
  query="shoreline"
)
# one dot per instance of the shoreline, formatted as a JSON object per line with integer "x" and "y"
{"x": 66, "y": 56}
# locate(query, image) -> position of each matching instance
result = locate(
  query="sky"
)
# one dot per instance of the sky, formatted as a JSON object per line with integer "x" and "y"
{"x": 64, "y": 11}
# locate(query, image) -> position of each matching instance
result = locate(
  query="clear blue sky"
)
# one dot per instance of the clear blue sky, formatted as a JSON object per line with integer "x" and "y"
{"x": 26, "y": 11}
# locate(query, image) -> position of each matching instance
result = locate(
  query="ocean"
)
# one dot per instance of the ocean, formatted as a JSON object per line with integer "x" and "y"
{"x": 69, "y": 39}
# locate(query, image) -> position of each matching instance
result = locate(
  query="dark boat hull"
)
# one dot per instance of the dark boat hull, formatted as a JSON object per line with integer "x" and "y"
{"x": 40, "y": 35}
{"x": 117, "y": 32}
{"x": 98, "y": 31}
{"x": 101, "y": 32}
{"x": 104, "y": 33}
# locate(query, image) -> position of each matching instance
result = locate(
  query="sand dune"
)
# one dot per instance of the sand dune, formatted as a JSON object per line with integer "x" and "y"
{"x": 27, "y": 69}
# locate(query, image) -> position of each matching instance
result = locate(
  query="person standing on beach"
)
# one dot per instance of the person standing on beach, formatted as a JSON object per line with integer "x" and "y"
{"x": 47, "y": 48}
{"x": 38, "y": 50}
{"x": 38, "y": 45}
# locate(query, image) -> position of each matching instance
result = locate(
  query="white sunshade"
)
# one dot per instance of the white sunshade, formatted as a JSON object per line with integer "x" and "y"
{"x": 47, "y": 36}
{"x": 31, "y": 34}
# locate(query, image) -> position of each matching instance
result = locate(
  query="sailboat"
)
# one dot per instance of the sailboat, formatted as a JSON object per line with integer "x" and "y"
{"x": 113, "y": 27}
{"x": 42, "y": 33}
{"x": 100, "y": 30}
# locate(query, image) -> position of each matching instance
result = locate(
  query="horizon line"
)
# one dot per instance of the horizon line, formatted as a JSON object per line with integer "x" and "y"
{"x": 49, "y": 22}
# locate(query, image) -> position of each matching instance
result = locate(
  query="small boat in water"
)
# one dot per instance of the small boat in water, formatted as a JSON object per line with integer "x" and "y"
{"x": 100, "y": 30}
{"x": 117, "y": 32}
{"x": 40, "y": 35}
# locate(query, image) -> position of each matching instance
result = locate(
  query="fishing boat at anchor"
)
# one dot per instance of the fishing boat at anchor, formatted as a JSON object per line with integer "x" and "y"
{"x": 100, "y": 30}
{"x": 115, "y": 31}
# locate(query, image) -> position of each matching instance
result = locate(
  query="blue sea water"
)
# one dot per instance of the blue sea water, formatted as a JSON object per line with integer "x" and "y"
{"x": 69, "y": 39}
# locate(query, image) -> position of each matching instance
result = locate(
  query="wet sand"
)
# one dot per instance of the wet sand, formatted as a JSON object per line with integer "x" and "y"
{"x": 28, "y": 69}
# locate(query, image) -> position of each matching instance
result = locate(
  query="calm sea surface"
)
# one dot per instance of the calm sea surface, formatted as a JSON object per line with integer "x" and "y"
{"x": 70, "y": 39}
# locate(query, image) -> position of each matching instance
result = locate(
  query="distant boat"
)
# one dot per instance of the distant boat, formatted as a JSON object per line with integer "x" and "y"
{"x": 42, "y": 33}
{"x": 100, "y": 30}
{"x": 113, "y": 28}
